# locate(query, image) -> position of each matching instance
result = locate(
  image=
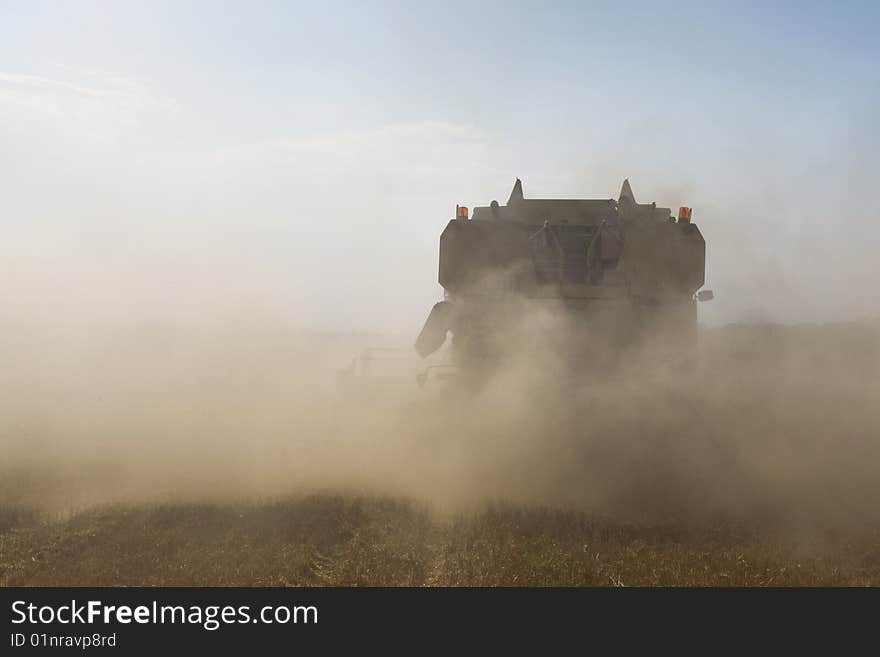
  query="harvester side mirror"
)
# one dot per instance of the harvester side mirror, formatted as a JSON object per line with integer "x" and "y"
{"x": 705, "y": 295}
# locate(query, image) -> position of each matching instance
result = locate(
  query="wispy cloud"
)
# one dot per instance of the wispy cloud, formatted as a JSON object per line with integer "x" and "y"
{"x": 408, "y": 149}
{"x": 100, "y": 106}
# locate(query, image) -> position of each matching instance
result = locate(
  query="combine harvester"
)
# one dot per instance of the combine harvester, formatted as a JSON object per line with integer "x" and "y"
{"x": 588, "y": 280}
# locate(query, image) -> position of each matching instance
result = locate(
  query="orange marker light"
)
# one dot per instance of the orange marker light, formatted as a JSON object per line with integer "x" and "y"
{"x": 684, "y": 215}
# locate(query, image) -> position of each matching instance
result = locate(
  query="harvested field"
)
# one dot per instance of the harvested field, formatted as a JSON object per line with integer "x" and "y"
{"x": 240, "y": 463}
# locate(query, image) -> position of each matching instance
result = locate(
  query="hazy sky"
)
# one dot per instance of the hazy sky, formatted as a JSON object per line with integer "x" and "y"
{"x": 178, "y": 160}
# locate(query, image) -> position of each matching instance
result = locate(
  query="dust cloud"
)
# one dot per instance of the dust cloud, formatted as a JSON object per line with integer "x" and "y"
{"x": 778, "y": 423}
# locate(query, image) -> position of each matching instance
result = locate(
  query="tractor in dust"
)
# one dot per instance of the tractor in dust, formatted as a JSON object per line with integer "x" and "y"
{"x": 587, "y": 278}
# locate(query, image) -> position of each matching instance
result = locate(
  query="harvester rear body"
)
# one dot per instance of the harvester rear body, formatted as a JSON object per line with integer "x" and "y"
{"x": 586, "y": 278}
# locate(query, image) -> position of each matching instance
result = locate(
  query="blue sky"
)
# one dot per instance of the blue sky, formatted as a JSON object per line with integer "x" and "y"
{"x": 165, "y": 157}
